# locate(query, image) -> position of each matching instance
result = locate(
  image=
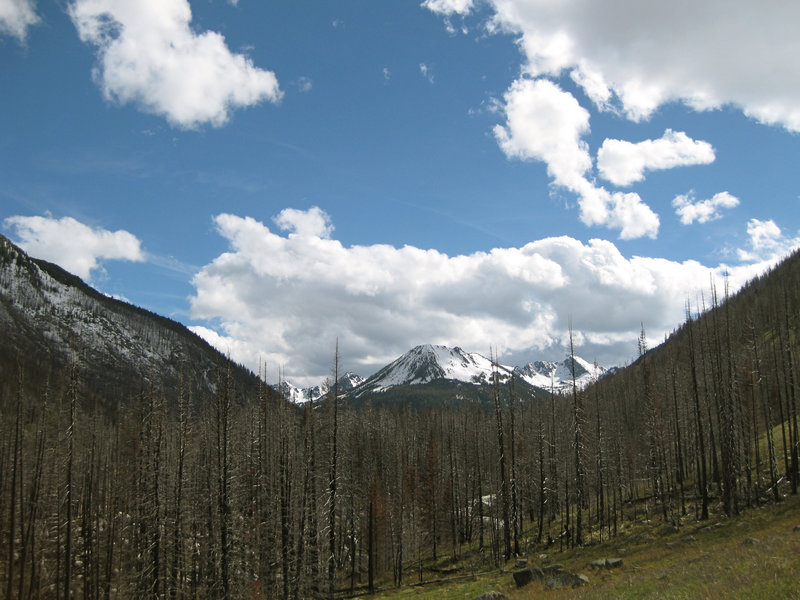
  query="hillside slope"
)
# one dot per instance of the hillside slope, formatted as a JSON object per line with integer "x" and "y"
{"x": 51, "y": 318}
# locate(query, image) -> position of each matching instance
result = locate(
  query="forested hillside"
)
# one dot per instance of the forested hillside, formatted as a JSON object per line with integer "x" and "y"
{"x": 246, "y": 496}
{"x": 51, "y": 319}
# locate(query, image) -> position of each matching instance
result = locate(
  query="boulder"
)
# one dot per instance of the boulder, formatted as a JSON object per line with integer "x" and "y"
{"x": 554, "y": 568}
{"x": 564, "y": 579}
{"x": 606, "y": 563}
{"x": 521, "y": 563}
{"x": 525, "y": 576}
{"x": 492, "y": 596}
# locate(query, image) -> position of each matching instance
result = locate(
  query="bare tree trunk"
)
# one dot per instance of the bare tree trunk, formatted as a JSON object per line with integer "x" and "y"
{"x": 332, "y": 481}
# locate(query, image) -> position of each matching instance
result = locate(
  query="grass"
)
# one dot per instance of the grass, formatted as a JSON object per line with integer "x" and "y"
{"x": 753, "y": 556}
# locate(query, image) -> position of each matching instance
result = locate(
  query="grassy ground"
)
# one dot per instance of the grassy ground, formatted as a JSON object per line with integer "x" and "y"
{"x": 753, "y": 556}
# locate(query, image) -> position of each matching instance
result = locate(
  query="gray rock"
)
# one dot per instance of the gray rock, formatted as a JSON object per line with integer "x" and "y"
{"x": 554, "y": 568}
{"x": 521, "y": 563}
{"x": 606, "y": 563}
{"x": 492, "y": 596}
{"x": 751, "y": 542}
{"x": 525, "y": 576}
{"x": 562, "y": 580}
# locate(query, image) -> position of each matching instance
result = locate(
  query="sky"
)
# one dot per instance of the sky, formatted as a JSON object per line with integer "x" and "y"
{"x": 282, "y": 176}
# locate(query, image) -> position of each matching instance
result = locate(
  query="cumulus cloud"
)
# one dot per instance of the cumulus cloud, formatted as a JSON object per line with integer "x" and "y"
{"x": 16, "y": 16}
{"x": 313, "y": 222}
{"x": 547, "y": 124}
{"x": 149, "y": 55}
{"x": 623, "y": 163}
{"x": 285, "y": 299}
{"x": 702, "y": 211}
{"x": 706, "y": 54}
{"x": 73, "y": 245}
{"x": 766, "y": 242}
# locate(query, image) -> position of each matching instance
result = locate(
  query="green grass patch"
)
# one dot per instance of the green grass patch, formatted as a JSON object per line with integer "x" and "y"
{"x": 753, "y": 556}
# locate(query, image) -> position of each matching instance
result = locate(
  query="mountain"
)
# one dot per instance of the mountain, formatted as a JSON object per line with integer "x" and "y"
{"x": 51, "y": 318}
{"x": 558, "y": 375}
{"x": 347, "y": 382}
{"x": 427, "y": 363}
{"x": 439, "y": 369}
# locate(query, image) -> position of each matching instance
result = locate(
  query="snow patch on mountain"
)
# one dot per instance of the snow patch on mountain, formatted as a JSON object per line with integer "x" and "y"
{"x": 347, "y": 382}
{"x": 558, "y": 375}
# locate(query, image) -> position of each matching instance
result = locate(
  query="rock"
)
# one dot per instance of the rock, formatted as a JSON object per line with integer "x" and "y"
{"x": 554, "y": 568}
{"x": 525, "y": 576}
{"x": 521, "y": 563}
{"x": 751, "y": 542}
{"x": 492, "y": 596}
{"x": 690, "y": 538}
{"x": 606, "y": 563}
{"x": 562, "y": 580}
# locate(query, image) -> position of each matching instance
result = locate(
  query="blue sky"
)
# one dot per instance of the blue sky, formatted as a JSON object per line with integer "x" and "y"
{"x": 279, "y": 175}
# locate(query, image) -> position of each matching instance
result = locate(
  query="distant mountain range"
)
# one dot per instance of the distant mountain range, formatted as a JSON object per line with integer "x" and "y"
{"x": 428, "y": 364}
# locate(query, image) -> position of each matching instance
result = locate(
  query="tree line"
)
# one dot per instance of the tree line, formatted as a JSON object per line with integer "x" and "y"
{"x": 248, "y": 496}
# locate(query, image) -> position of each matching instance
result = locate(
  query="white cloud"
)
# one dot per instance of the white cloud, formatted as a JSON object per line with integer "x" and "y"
{"x": 285, "y": 299}
{"x": 72, "y": 245}
{"x": 426, "y": 72}
{"x": 706, "y": 54}
{"x": 449, "y": 7}
{"x": 545, "y": 123}
{"x": 766, "y": 242}
{"x": 304, "y": 84}
{"x": 703, "y": 211}
{"x": 16, "y": 16}
{"x": 623, "y": 163}
{"x": 149, "y": 55}
{"x": 313, "y": 222}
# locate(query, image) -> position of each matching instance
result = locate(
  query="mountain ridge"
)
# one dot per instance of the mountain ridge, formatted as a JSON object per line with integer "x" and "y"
{"x": 428, "y": 363}
{"x": 52, "y": 318}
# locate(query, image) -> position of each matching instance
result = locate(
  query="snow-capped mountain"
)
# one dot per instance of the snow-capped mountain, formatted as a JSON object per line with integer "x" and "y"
{"x": 427, "y": 363}
{"x": 347, "y": 382}
{"x": 558, "y": 375}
